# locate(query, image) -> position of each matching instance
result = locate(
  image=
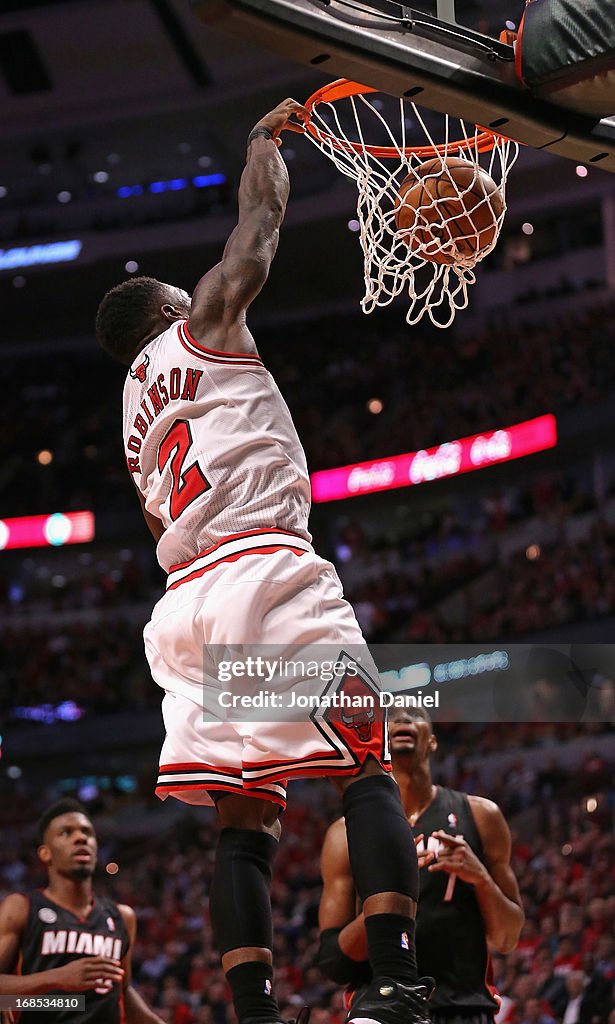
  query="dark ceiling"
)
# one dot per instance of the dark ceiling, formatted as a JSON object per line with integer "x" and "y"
{"x": 96, "y": 95}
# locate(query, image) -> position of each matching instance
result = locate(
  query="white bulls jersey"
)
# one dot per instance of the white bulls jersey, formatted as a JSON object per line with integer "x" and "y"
{"x": 211, "y": 445}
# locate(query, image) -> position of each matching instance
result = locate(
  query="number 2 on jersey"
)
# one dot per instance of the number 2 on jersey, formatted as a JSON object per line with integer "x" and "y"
{"x": 188, "y": 483}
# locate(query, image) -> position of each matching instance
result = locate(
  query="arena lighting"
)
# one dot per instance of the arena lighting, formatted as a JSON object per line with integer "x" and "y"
{"x": 173, "y": 185}
{"x": 32, "y": 255}
{"x": 206, "y": 180}
{"x": 66, "y": 711}
{"x": 449, "y": 459}
{"x": 46, "y": 531}
{"x": 412, "y": 676}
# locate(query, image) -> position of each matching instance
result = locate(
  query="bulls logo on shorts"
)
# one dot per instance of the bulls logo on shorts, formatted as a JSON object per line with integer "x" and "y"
{"x": 356, "y": 717}
{"x": 361, "y": 716}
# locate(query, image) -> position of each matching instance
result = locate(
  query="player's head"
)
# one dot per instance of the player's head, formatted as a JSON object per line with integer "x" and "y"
{"x": 411, "y": 734}
{"x": 67, "y": 841}
{"x": 134, "y": 312}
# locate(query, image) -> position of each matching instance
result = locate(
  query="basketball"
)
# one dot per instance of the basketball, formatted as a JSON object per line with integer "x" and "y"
{"x": 449, "y": 209}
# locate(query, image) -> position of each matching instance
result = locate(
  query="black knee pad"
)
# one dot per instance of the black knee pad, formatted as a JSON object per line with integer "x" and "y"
{"x": 380, "y": 841}
{"x": 240, "y": 904}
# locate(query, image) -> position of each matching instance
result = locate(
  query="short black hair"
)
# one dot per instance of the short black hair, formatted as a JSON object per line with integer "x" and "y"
{"x": 127, "y": 315}
{"x": 67, "y": 805}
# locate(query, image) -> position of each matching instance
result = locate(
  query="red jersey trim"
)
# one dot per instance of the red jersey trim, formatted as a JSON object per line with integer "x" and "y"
{"x": 186, "y": 766}
{"x": 215, "y": 355}
{"x": 300, "y": 771}
{"x": 233, "y": 558}
{"x": 255, "y": 766}
{"x": 232, "y": 536}
{"x": 218, "y": 787}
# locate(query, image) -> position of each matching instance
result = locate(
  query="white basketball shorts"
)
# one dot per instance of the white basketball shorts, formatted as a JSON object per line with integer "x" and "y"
{"x": 268, "y": 589}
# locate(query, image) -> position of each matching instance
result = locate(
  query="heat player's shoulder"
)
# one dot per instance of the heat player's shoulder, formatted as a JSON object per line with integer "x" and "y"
{"x": 491, "y": 824}
{"x": 482, "y": 806}
{"x": 14, "y": 912}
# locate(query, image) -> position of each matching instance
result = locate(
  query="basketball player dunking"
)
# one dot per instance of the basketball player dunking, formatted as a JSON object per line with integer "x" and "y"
{"x": 64, "y": 939}
{"x": 469, "y": 898}
{"x": 223, "y": 483}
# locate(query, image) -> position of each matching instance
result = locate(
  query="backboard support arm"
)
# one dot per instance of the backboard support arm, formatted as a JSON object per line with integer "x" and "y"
{"x": 445, "y": 11}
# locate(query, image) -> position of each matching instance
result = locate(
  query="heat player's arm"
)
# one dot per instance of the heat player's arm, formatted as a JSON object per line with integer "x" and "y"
{"x": 136, "y": 1010}
{"x": 155, "y": 525}
{"x": 13, "y": 920}
{"x": 222, "y": 296}
{"x": 338, "y": 903}
{"x": 498, "y": 894}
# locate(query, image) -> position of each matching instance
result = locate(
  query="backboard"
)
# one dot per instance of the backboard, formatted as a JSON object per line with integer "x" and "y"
{"x": 428, "y": 57}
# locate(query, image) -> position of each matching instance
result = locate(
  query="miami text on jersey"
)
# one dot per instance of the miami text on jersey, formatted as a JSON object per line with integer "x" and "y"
{"x": 83, "y": 943}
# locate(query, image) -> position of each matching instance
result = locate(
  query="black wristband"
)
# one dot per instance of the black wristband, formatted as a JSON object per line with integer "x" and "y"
{"x": 266, "y": 134}
{"x": 336, "y": 965}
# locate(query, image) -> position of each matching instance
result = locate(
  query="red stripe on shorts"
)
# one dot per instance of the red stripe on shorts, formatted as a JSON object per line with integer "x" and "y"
{"x": 233, "y": 558}
{"x": 232, "y": 536}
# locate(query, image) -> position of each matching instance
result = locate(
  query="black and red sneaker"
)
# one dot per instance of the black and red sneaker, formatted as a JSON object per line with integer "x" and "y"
{"x": 385, "y": 1001}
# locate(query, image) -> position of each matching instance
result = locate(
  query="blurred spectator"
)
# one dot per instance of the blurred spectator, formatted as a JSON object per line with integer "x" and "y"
{"x": 534, "y": 1013}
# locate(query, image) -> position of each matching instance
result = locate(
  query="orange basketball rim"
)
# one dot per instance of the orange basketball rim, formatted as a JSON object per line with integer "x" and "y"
{"x": 342, "y": 88}
{"x": 369, "y": 142}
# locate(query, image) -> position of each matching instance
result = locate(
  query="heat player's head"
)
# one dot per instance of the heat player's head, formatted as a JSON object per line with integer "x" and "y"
{"x": 135, "y": 312}
{"x": 411, "y": 734}
{"x": 67, "y": 841}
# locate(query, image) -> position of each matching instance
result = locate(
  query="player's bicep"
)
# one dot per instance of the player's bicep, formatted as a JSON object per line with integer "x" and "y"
{"x": 13, "y": 917}
{"x": 338, "y": 900}
{"x": 497, "y": 845}
{"x": 222, "y": 296}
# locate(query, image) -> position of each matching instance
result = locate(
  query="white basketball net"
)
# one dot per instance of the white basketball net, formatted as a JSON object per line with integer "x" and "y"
{"x": 394, "y": 259}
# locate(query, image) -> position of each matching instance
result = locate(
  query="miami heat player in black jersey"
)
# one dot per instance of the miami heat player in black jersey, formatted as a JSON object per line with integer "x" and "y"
{"x": 469, "y": 897}
{"x": 64, "y": 939}
{"x": 54, "y": 936}
{"x": 450, "y": 931}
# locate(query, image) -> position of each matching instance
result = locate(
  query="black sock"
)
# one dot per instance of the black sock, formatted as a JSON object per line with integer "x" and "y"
{"x": 390, "y": 942}
{"x": 252, "y": 990}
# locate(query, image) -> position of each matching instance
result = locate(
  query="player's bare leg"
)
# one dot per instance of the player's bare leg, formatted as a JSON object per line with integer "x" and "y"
{"x": 240, "y": 903}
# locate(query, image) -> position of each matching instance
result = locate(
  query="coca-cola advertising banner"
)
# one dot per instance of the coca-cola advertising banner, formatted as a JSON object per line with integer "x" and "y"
{"x": 448, "y": 459}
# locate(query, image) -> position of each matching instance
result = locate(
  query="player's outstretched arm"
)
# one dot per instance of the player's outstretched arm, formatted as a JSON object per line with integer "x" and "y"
{"x": 222, "y": 296}
{"x": 343, "y": 945}
{"x": 136, "y": 1010}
